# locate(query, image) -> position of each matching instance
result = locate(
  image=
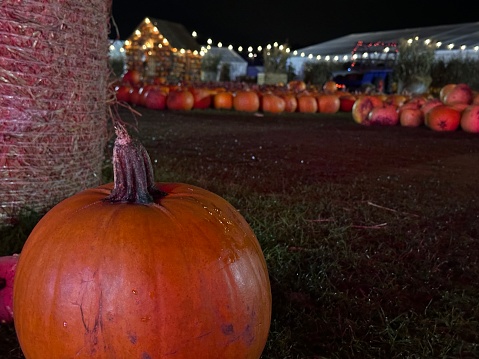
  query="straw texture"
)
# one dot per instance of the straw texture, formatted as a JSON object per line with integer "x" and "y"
{"x": 53, "y": 100}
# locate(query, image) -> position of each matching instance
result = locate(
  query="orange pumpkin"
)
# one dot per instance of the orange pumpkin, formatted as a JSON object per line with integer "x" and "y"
{"x": 386, "y": 115}
{"x": 223, "y": 100}
{"x": 443, "y": 118}
{"x": 246, "y": 100}
{"x": 411, "y": 117}
{"x": 429, "y": 105}
{"x": 138, "y": 269}
{"x": 328, "y": 103}
{"x": 397, "y": 99}
{"x": 290, "y": 102}
{"x": 330, "y": 86}
{"x": 470, "y": 119}
{"x": 135, "y": 95}
{"x": 307, "y": 103}
{"x": 202, "y": 97}
{"x": 362, "y": 106}
{"x": 131, "y": 77}
{"x": 180, "y": 100}
{"x": 272, "y": 103}
{"x": 456, "y": 93}
{"x": 296, "y": 85}
{"x": 346, "y": 102}
{"x": 445, "y": 90}
{"x": 122, "y": 92}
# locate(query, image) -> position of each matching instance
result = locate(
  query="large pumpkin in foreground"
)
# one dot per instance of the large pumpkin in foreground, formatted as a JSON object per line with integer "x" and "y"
{"x": 142, "y": 270}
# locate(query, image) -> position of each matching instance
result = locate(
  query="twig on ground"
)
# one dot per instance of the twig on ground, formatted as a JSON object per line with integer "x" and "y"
{"x": 375, "y": 226}
{"x": 319, "y": 219}
{"x": 390, "y": 209}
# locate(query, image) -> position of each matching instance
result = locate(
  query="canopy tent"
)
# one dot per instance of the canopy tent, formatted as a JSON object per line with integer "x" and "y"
{"x": 451, "y": 41}
{"x": 238, "y": 65}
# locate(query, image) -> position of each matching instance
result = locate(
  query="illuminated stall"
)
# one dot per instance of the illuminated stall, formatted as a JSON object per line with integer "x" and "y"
{"x": 165, "y": 50}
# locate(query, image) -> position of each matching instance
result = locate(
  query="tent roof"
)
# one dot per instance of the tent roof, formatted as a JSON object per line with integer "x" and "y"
{"x": 177, "y": 34}
{"x": 459, "y": 34}
{"x": 226, "y": 54}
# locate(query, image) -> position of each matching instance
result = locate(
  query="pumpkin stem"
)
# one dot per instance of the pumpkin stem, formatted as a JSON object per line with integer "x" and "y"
{"x": 132, "y": 171}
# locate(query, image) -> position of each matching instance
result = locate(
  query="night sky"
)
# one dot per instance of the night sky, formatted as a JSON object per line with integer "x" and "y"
{"x": 299, "y": 24}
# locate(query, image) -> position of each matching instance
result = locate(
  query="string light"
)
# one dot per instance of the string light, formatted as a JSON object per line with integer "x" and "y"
{"x": 374, "y": 49}
{"x": 251, "y": 53}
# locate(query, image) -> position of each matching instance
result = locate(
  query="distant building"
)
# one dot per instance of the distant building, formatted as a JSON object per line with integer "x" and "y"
{"x": 163, "y": 49}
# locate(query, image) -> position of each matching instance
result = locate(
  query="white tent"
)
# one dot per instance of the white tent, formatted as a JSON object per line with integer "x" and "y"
{"x": 238, "y": 65}
{"x": 452, "y": 41}
{"x": 116, "y": 50}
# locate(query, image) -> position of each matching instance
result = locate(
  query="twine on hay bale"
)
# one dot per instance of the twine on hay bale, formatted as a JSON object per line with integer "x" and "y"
{"x": 53, "y": 100}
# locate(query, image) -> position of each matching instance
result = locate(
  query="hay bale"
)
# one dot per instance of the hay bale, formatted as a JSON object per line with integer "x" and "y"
{"x": 53, "y": 100}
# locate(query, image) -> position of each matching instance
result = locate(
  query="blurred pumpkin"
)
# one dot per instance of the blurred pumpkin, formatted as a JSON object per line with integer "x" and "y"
{"x": 296, "y": 85}
{"x": 272, "y": 103}
{"x": 460, "y": 93}
{"x": 470, "y": 119}
{"x": 386, "y": 115}
{"x": 223, "y": 100}
{"x": 307, "y": 103}
{"x": 246, "y": 100}
{"x": 328, "y": 103}
{"x": 330, "y": 86}
{"x": 443, "y": 118}
{"x": 411, "y": 117}
{"x": 180, "y": 100}
{"x": 290, "y": 102}
{"x": 362, "y": 106}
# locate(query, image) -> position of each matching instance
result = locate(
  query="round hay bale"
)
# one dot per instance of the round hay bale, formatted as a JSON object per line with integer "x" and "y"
{"x": 53, "y": 100}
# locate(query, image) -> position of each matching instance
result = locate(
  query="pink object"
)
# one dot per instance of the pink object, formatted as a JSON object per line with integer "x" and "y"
{"x": 8, "y": 265}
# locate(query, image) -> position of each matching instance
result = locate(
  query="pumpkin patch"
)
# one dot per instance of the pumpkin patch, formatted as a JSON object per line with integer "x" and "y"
{"x": 365, "y": 108}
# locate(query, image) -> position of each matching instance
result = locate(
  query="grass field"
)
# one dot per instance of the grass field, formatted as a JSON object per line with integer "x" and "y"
{"x": 370, "y": 233}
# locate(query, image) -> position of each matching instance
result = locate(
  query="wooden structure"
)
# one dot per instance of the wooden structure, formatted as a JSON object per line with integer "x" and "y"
{"x": 163, "y": 49}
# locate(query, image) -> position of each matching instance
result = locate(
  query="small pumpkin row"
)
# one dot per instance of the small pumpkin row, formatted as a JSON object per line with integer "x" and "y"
{"x": 269, "y": 99}
{"x": 457, "y": 107}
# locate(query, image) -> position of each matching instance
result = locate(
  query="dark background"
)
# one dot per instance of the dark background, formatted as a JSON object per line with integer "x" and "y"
{"x": 298, "y": 23}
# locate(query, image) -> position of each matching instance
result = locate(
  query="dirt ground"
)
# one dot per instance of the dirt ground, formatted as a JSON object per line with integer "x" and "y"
{"x": 310, "y": 148}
